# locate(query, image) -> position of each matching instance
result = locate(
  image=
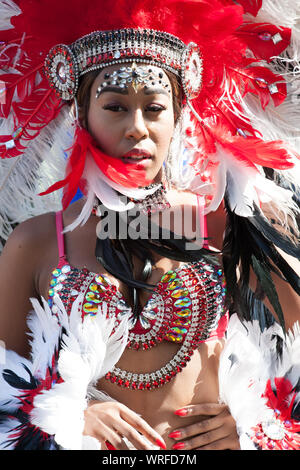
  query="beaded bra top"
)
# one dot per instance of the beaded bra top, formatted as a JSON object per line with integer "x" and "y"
{"x": 186, "y": 307}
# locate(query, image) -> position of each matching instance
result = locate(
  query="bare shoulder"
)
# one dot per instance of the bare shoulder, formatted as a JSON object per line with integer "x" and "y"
{"x": 29, "y": 234}
{"x": 19, "y": 262}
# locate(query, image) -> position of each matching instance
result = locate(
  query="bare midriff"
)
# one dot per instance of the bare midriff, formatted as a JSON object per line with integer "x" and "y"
{"x": 197, "y": 383}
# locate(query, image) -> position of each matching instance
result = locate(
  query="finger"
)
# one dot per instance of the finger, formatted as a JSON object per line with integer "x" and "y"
{"x": 202, "y": 440}
{"x": 105, "y": 434}
{"x": 109, "y": 446}
{"x": 134, "y": 437}
{"x": 222, "y": 444}
{"x": 208, "y": 409}
{"x": 143, "y": 427}
{"x": 198, "y": 428}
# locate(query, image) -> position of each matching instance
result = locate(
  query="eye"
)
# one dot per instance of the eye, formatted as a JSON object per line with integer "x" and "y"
{"x": 115, "y": 108}
{"x": 155, "y": 108}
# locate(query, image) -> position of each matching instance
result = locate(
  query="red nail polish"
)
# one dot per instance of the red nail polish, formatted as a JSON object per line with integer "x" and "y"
{"x": 181, "y": 412}
{"x": 109, "y": 446}
{"x": 178, "y": 446}
{"x": 175, "y": 435}
{"x": 161, "y": 444}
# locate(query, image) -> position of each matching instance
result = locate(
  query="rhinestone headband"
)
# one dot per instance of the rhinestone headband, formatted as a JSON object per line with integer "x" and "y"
{"x": 64, "y": 64}
{"x": 135, "y": 76}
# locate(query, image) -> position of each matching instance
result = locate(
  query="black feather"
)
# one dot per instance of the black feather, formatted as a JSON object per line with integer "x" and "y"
{"x": 18, "y": 382}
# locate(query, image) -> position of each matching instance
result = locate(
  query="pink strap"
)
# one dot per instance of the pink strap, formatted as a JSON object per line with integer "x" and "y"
{"x": 60, "y": 236}
{"x": 203, "y": 221}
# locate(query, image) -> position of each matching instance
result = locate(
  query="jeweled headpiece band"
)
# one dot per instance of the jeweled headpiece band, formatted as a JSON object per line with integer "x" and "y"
{"x": 64, "y": 64}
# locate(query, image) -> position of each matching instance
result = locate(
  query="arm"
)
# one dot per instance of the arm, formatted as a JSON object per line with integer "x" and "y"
{"x": 18, "y": 264}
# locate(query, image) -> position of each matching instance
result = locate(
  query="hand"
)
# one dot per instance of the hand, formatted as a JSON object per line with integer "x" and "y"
{"x": 218, "y": 432}
{"x": 110, "y": 421}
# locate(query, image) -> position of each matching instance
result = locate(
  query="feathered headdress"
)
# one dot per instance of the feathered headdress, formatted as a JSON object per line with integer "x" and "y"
{"x": 239, "y": 131}
{"x": 225, "y": 131}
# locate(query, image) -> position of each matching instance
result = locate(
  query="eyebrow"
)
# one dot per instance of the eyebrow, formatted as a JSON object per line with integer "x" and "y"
{"x": 124, "y": 91}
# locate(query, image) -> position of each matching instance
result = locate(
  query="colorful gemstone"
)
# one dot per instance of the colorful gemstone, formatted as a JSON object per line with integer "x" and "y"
{"x": 93, "y": 287}
{"x": 183, "y": 313}
{"x": 90, "y": 308}
{"x": 179, "y": 331}
{"x": 261, "y": 82}
{"x": 182, "y": 322}
{"x": 265, "y": 36}
{"x": 179, "y": 293}
{"x": 56, "y": 272}
{"x": 174, "y": 337}
{"x": 169, "y": 276}
{"x": 183, "y": 302}
{"x": 91, "y": 297}
{"x": 101, "y": 280}
{"x": 175, "y": 284}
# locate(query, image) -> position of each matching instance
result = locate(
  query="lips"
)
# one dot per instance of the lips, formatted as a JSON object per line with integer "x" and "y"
{"x": 136, "y": 155}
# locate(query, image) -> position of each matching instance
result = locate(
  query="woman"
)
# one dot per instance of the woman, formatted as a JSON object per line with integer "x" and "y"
{"x": 129, "y": 113}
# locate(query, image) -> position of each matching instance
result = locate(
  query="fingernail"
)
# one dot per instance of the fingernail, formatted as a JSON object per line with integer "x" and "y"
{"x": 181, "y": 412}
{"x": 161, "y": 444}
{"x": 109, "y": 446}
{"x": 175, "y": 435}
{"x": 178, "y": 446}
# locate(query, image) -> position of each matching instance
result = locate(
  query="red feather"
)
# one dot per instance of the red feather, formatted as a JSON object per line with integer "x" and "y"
{"x": 36, "y": 111}
{"x": 251, "y": 150}
{"x": 265, "y": 40}
{"x": 21, "y": 83}
{"x": 265, "y": 84}
{"x": 251, "y": 6}
{"x": 130, "y": 176}
{"x": 15, "y": 151}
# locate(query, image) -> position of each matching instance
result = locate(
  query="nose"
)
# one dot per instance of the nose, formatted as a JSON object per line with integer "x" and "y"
{"x": 136, "y": 127}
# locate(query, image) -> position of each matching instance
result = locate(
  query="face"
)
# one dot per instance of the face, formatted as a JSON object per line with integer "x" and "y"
{"x": 135, "y": 122}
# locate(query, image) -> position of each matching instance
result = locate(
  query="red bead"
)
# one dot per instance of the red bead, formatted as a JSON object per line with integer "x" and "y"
{"x": 141, "y": 386}
{"x": 126, "y": 384}
{"x": 148, "y": 386}
{"x": 113, "y": 379}
{"x": 133, "y": 385}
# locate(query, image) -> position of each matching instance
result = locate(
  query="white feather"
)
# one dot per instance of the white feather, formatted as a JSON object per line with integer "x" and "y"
{"x": 45, "y": 334}
{"x": 8, "y": 8}
{"x": 89, "y": 350}
{"x": 248, "y": 360}
{"x": 23, "y": 178}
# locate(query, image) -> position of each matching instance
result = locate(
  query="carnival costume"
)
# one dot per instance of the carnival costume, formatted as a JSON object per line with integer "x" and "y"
{"x": 236, "y": 140}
